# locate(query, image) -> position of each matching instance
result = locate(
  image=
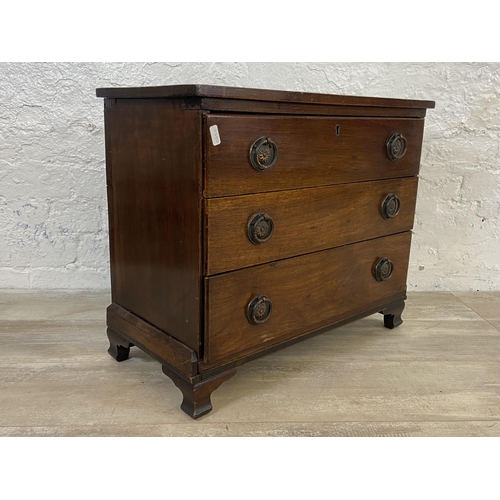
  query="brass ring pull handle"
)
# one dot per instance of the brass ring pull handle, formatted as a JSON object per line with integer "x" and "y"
{"x": 259, "y": 310}
{"x": 396, "y": 146}
{"x": 384, "y": 269}
{"x": 260, "y": 228}
{"x": 263, "y": 154}
{"x": 390, "y": 206}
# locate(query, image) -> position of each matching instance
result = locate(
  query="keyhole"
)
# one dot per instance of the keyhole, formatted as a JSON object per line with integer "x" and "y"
{"x": 337, "y": 129}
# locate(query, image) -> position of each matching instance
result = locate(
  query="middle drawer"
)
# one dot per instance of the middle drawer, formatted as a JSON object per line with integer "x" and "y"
{"x": 248, "y": 230}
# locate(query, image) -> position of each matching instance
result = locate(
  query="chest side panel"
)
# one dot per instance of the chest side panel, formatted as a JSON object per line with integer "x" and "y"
{"x": 153, "y": 155}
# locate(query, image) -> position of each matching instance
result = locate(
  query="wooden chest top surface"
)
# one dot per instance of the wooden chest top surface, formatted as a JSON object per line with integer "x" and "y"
{"x": 223, "y": 92}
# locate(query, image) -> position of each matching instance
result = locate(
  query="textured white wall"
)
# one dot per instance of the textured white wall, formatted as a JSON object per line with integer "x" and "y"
{"x": 53, "y": 215}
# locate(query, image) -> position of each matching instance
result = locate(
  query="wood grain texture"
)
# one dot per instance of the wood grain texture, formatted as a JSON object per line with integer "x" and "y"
{"x": 436, "y": 375}
{"x": 486, "y": 304}
{"x": 389, "y": 428}
{"x": 296, "y": 108}
{"x": 218, "y": 91}
{"x": 312, "y": 151}
{"x": 207, "y": 370}
{"x": 307, "y": 292}
{"x": 305, "y": 221}
{"x": 158, "y": 344}
{"x": 184, "y": 274}
{"x": 153, "y": 155}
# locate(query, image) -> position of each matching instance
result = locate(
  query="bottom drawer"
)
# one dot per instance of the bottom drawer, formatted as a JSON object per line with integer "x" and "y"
{"x": 255, "y": 308}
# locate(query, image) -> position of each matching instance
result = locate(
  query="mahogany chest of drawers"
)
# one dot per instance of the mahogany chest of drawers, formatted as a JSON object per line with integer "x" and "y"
{"x": 243, "y": 220}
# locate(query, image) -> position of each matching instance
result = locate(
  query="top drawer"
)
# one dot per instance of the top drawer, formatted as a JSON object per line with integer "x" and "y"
{"x": 308, "y": 151}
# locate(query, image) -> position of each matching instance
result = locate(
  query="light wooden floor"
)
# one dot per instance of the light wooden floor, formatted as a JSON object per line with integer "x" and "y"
{"x": 438, "y": 374}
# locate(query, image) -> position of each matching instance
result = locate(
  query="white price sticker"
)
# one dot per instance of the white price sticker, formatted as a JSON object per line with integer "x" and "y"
{"x": 214, "y": 132}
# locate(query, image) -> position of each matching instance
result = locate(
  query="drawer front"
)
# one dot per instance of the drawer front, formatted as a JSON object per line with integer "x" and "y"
{"x": 305, "y": 294}
{"x": 305, "y": 152}
{"x": 243, "y": 231}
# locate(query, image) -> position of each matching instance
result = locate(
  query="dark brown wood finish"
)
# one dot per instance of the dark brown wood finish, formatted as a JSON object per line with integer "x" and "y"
{"x": 154, "y": 180}
{"x": 196, "y": 394}
{"x": 392, "y": 315}
{"x": 119, "y": 348}
{"x": 312, "y": 151}
{"x": 297, "y": 108}
{"x": 305, "y": 220}
{"x": 251, "y": 355}
{"x": 127, "y": 326}
{"x": 188, "y": 286}
{"x": 216, "y": 91}
{"x": 307, "y": 293}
